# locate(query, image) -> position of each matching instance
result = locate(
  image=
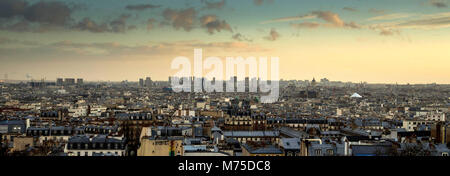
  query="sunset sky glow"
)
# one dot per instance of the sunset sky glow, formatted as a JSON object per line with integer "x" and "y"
{"x": 380, "y": 41}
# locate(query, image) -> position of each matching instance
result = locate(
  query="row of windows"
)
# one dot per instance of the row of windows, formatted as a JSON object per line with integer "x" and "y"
{"x": 101, "y": 153}
{"x": 318, "y": 152}
{"x": 65, "y": 132}
{"x": 95, "y": 146}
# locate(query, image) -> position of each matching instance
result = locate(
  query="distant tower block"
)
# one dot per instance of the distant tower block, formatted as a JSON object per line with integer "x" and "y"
{"x": 69, "y": 81}
{"x": 148, "y": 82}
{"x": 59, "y": 81}
{"x": 80, "y": 81}
{"x": 141, "y": 82}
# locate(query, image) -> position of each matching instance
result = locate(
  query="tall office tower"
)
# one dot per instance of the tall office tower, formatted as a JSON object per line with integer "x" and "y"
{"x": 148, "y": 82}
{"x": 203, "y": 84}
{"x": 80, "y": 81}
{"x": 235, "y": 81}
{"x": 192, "y": 79}
{"x": 141, "y": 82}
{"x": 247, "y": 83}
{"x": 59, "y": 82}
{"x": 69, "y": 81}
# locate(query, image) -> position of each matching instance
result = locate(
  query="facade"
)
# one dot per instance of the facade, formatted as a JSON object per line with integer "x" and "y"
{"x": 101, "y": 145}
{"x": 245, "y": 136}
{"x": 171, "y": 146}
{"x": 260, "y": 149}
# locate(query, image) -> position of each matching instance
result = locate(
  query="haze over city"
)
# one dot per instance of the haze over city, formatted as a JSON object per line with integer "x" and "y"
{"x": 352, "y": 40}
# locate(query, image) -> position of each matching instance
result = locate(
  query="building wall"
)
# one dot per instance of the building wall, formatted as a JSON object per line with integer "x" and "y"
{"x": 21, "y": 143}
{"x": 91, "y": 152}
{"x": 246, "y": 153}
{"x": 152, "y": 147}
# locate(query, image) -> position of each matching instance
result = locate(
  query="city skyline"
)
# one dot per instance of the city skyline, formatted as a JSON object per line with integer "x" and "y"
{"x": 352, "y": 40}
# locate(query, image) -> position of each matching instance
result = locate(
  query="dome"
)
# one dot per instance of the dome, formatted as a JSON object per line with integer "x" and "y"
{"x": 356, "y": 95}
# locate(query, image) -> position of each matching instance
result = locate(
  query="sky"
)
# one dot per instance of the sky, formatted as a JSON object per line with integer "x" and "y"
{"x": 382, "y": 41}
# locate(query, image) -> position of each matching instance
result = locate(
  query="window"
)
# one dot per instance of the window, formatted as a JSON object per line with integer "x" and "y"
{"x": 289, "y": 154}
{"x": 318, "y": 152}
{"x": 330, "y": 152}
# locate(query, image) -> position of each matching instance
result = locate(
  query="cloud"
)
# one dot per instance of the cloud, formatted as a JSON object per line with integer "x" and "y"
{"x": 214, "y": 5}
{"x": 292, "y": 18}
{"x": 427, "y": 23}
{"x": 116, "y": 50}
{"x": 331, "y": 20}
{"x": 53, "y": 13}
{"x": 186, "y": 19}
{"x": 180, "y": 19}
{"x": 273, "y": 35}
{"x": 240, "y": 37}
{"x": 6, "y": 40}
{"x": 424, "y": 22}
{"x": 141, "y": 7}
{"x": 12, "y": 8}
{"x": 150, "y": 24}
{"x": 45, "y": 13}
{"x": 132, "y": 27}
{"x": 438, "y": 3}
{"x": 330, "y": 17}
{"x": 350, "y": 9}
{"x": 261, "y": 2}
{"x": 212, "y": 23}
{"x": 88, "y": 24}
{"x": 390, "y": 16}
{"x": 118, "y": 25}
{"x": 377, "y": 11}
{"x": 42, "y": 16}
{"x": 352, "y": 25}
{"x": 387, "y": 32}
{"x": 308, "y": 25}
{"x": 431, "y": 21}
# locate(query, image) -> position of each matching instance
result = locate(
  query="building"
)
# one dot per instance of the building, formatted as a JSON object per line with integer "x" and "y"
{"x": 260, "y": 148}
{"x": 290, "y": 146}
{"x": 55, "y": 133}
{"x": 13, "y": 126}
{"x": 440, "y": 133}
{"x": 100, "y": 145}
{"x": 161, "y": 146}
{"x": 148, "y": 82}
{"x": 141, "y": 82}
{"x": 59, "y": 82}
{"x": 22, "y": 143}
{"x": 245, "y": 136}
{"x": 436, "y": 116}
{"x": 80, "y": 81}
{"x": 412, "y": 125}
{"x": 69, "y": 81}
